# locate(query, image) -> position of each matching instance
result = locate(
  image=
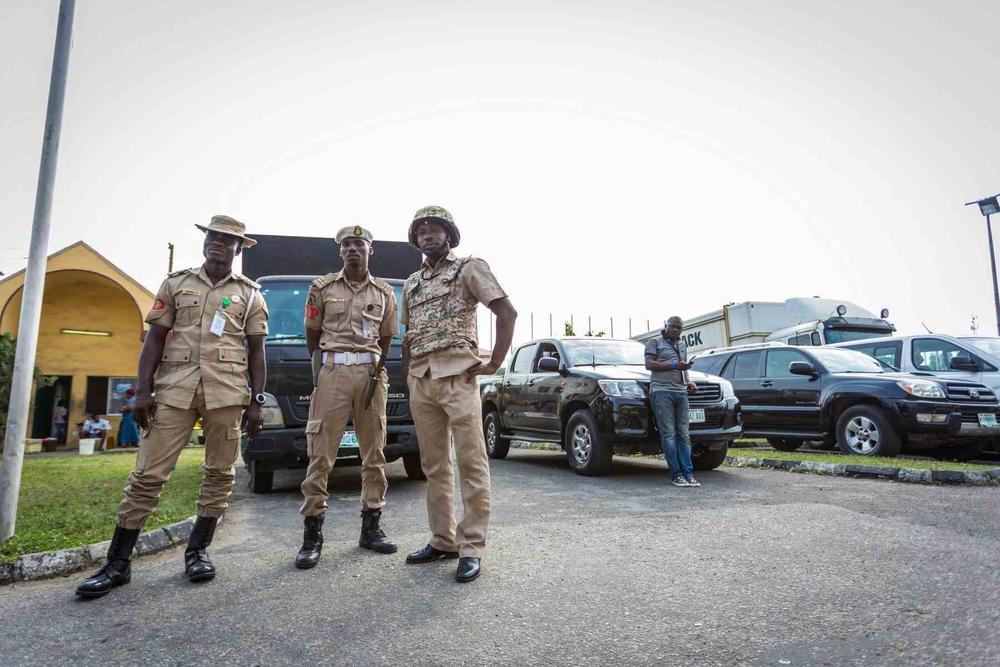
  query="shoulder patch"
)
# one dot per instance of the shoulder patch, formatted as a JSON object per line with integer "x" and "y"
{"x": 323, "y": 281}
{"x": 243, "y": 279}
{"x": 382, "y": 285}
{"x": 181, "y": 273}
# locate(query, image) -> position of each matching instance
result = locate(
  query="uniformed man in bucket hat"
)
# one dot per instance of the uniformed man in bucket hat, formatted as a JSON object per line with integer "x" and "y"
{"x": 439, "y": 310}
{"x": 350, "y": 318}
{"x": 217, "y": 321}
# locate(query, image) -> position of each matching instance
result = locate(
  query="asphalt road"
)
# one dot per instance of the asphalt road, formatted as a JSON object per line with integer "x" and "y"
{"x": 756, "y": 567}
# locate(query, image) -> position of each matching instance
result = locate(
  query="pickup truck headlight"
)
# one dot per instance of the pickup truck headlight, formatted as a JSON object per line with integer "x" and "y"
{"x": 270, "y": 412}
{"x": 727, "y": 389}
{"x": 922, "y": 388}
{"x": 622, "y": 388}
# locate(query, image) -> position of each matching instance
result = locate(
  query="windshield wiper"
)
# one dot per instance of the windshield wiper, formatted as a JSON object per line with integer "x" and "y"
{"x": 285, "y": 337}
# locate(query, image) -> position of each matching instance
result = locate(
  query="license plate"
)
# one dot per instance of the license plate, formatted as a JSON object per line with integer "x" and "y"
{"x": 987, "y": 419}
{"x": 696, "y": 416}
{"x": 349, "y": 439}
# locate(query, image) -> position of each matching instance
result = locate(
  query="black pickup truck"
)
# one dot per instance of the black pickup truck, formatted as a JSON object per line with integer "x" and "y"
{"x": 795, "y": 394}
{"x": 591, "y": 396}
{"x": 282, "y": 442}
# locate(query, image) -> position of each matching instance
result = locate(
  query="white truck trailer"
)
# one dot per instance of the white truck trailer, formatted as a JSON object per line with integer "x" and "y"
{"x": 799, "y": 321}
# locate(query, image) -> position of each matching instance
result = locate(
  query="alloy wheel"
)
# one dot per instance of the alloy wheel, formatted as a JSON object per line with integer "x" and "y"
{"x": 862, "y": 435}
{"x": 582, "y": 444}
{"x": 491, "y": 435}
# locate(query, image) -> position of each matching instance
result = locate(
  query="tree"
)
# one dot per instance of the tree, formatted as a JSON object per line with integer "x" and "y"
{"x": 8, "y": 346}
{"x": 568, "y": 329}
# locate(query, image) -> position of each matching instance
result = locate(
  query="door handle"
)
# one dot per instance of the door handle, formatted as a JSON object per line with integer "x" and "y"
{"x": 767, "y": 383}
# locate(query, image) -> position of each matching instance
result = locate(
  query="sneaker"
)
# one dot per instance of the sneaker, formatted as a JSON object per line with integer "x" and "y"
{"x": 679, "y": 481}
{"x": 691, "y": 481}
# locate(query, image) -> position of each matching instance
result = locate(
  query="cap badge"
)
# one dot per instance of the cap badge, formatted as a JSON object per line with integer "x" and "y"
{"x": 357, "y": 230}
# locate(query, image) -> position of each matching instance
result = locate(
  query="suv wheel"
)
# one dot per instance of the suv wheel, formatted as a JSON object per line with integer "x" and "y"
{"x": 586, "y": 453}
{"x": 784, "y": 444}
{"x": 411, "y": 462}
{"x": 865, "y": 430}
{"x": 704, "y": 458}
{"x": 260, "y": 478}
{"x": 496, "y": 446}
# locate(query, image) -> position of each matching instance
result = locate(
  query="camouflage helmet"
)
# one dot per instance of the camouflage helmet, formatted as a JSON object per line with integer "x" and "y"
{"x": 438, "y": 214}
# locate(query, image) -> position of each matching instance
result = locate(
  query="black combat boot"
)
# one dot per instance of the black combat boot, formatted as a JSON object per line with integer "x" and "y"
{"x": 117, "y": 571}
{"x": 312, "y": 543}
{"x": 197, "y": 566}
{"x": 372, "y": 536}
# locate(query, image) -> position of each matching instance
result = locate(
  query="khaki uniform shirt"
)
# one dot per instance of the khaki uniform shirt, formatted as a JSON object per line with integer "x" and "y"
{"x": 187, "y": 304}
{"x": 479, "y": 284}
{"x": 351, "y": 319}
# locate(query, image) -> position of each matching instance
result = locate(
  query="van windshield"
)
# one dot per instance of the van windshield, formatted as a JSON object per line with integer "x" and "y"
{"x": 844, "y": 335}
{"x": 286, "y": 302}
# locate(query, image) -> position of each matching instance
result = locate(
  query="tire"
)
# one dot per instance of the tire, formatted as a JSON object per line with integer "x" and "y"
{"x": 864, "y": 430}
{"x": 706, "y": 459}
{"x": 260, "y": 477}
{"x": 411, "y": 462}
{"x": 586, "y": 453}
{"x": 964, "y": 452}
{"x": 496, "y": 446}
{"x": 784, "y": 444}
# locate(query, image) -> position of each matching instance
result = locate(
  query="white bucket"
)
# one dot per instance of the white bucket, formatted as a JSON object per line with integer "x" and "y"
{"x": 87, "y": 446}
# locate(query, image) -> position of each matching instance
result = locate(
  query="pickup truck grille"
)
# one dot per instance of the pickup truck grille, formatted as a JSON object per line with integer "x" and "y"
{"x": 963, "y": 392}
{"x": 706, "y": 393}
{"x": 711, "y": 421}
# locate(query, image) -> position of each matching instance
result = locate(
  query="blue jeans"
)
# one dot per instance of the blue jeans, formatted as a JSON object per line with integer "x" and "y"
{"x": 671, "y": 411}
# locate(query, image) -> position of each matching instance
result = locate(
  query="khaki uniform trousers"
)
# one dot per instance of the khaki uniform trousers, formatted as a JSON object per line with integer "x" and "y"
{"x": 445, "y": 407}
{"x": 339, "y": 393}
{"x": 169, "y": 432}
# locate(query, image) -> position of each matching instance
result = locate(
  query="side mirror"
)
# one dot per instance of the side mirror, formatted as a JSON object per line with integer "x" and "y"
{"x": 548, "y": 365}
{"x": 963, "y": 363}
{"x": 802, "y": 368}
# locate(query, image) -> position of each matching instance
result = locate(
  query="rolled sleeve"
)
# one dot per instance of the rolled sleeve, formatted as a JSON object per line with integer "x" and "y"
{"x": 389, "y": 325}
{"x": 162, "y": 312}
{"x": 257, "y": 319}
{"x": 313, "y": 318}
{"x": 480, "y": 283}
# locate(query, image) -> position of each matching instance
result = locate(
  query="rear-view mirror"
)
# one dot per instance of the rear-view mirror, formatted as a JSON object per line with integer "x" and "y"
{"x": 802, "y": 368}
{"x": 548, "y": 365}
{"x": 963, "y": 363}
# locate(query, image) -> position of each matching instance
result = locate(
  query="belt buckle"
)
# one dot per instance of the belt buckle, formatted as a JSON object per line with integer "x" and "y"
{"x": 350, "y": 358}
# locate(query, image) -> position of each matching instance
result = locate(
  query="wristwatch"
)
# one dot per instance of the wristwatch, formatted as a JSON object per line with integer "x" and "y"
{"x": 259, "y": 399}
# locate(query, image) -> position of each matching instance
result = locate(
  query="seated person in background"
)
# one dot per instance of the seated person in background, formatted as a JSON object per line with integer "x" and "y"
{"x": 95, "y": 427}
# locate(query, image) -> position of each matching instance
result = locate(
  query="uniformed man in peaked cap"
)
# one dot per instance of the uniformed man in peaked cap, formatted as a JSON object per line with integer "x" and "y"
{"x": 217, "y": 321}
{"x": 351, "y": 318}
{"x": 439, "y": 310}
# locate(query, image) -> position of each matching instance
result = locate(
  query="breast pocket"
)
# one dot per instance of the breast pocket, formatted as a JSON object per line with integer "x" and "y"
{"x": 334, "y": 314}
{"x": 188, "y": 310}
{"x": 234, "y": 317}
{"x": 367, "y": 326}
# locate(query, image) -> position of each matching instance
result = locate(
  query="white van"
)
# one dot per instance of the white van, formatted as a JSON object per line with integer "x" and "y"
{"x": 975, "y": 358}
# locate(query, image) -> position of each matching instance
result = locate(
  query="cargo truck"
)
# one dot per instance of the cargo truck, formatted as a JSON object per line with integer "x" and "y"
{"x": 798, "y": 321}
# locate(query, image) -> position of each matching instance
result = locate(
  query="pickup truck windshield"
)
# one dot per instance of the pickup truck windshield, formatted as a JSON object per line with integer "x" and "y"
{"x": 286, "y": 302}
{"x": 847, "y": 361}
{"x": 988, "y": 344}
{"x": 604, "y": 352}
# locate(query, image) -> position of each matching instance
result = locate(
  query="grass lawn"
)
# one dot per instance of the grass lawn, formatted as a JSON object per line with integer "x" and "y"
{"x": 69, "y": 501}
{"x": 900, "y": 462}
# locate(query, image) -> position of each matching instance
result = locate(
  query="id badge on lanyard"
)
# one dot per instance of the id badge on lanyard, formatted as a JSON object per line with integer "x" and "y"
{"x": 218, "y": 323}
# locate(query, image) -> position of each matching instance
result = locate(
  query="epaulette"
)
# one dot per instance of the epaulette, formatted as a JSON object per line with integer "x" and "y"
{"x": 180, "y": 273}
{"x": 243, "y": 279}
{"x": 323, "y": 281}
{"x": 383, "y": 285}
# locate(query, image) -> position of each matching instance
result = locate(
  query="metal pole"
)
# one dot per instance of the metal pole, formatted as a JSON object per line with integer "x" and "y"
{"x": 612, "y": 327}
{"x": 993, "y": 266}
{"x": 550, "y": 324}
{"x": 532, "y": 317}
{"x": 170, "y": 260}
{"x": 34, "y": 280}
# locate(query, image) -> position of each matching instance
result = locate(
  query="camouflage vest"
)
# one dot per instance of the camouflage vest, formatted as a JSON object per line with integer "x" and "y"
{"x": 439, "y": 317}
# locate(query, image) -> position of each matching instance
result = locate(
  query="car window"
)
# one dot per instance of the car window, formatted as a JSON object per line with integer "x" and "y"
{"x": 746, "y": 365}
{"x": 778, "y": 361}
{"x": 711, "y": 364}
{"x": 935, "y": 354}
{"x": 888, "y": 353}
{"x": 523, "y": 359}
{"x": 545, "y": 350}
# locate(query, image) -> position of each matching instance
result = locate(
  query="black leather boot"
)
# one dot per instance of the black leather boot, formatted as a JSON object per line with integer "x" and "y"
{"x": 197, "y": 566}
{"x": 468, "y": 569}
{"x": 372, "y": 536}
{"x": 117, "y": 571}
{"x": 312, "y": 543}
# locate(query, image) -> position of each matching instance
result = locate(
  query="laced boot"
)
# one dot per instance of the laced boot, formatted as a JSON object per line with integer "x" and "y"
{"x": 372, "y": 536}
{"x": 312, "y": 543}
{"x": 197, "y": 565}
{"x": 117, "y": 571}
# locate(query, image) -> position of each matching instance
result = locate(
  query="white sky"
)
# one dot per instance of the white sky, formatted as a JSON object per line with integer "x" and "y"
{"x": 614, "y": 159}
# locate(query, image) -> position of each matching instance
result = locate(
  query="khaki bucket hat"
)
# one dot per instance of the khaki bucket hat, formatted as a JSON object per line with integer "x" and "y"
{"x": 226, "y": 225}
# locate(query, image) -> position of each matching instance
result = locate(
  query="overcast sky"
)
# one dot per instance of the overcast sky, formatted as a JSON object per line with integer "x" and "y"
{"x": 627, "y": 159}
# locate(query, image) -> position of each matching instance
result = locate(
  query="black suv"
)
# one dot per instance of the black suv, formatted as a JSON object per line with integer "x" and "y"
{"x": 282, "y": 442}
{"x": 793, "y": 394}
{"x": 591, "y": 395}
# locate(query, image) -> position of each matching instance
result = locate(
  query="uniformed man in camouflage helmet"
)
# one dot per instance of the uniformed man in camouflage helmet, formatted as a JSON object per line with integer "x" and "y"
{"x": 439, "y": 309}
{"x": 351, "y": 317}
{"x": 206, "y": 333}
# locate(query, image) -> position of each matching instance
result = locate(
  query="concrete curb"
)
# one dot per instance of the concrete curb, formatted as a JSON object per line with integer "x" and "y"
{"x": 907, "y": 475}
{"x": 47, "y": 564}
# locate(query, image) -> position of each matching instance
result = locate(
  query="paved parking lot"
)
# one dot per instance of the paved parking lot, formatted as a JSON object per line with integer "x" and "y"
{"x": 759, "y": 567}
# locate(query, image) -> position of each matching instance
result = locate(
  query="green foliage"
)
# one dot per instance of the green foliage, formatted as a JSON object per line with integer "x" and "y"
{"x": 833, "y": 457}
{"x": 568, "y": 329}
{"x": 8, "y": 347}
{"x": 595, "y": 334}
{"x": 69, "y": 501}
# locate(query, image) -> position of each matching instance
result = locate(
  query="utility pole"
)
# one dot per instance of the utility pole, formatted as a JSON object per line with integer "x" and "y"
{"x": 170, "y": 259}
{"x": 988, "y": 206}
{"x": 34, "y": 279}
